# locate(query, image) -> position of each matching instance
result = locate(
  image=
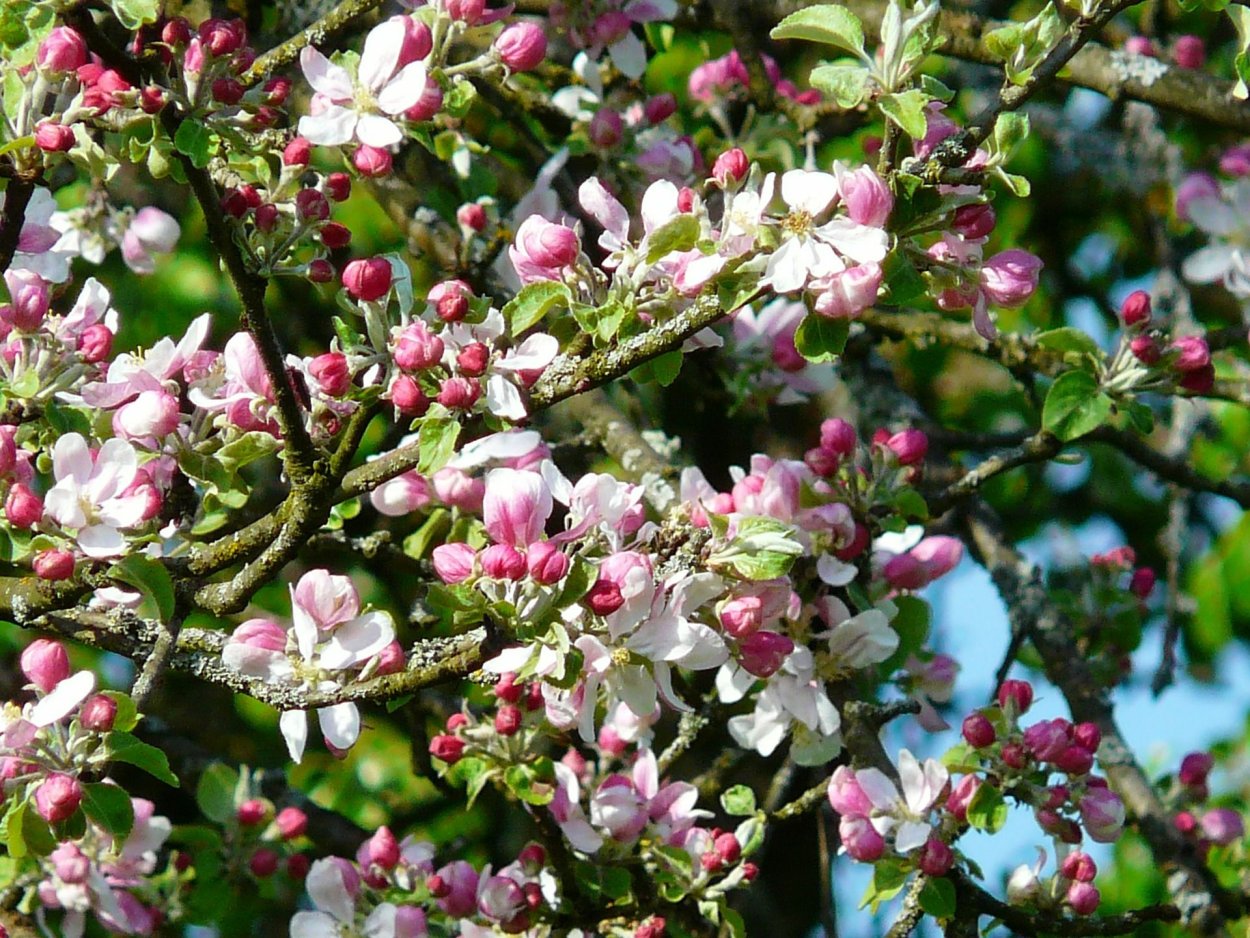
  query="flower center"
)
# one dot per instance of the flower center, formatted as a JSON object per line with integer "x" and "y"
{"x": 798, "y": 223}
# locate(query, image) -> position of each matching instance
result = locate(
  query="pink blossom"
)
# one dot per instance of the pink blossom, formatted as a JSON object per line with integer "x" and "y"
{"x": 150, "y": 232}
{"x": 1009, "y": 278}
{"x": 44, "y": 663}
{"x": 516, "y": 506}
{"x": 91, "y": 493}
{"x": 542, "y": 250}
{"x": 522, "y": 46}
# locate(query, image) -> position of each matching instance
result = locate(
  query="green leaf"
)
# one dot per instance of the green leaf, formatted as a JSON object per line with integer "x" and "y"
{"x": 937, "y": 898}
{"x": 663, "y": 369}
{"x": 124, "y": 747}
{"x": 987, "y": 811}
{"x": 846, "y": 84}
{"x": 196, "y": 142}
{"x": 827, "y": 23}
{"x": 1010, "y": 130}
{"x": 436, "y": 443}
{"x": 109, "y": 806}
{"x": 1075, "y": 406}
{"x": 532, "y": 783}
{"x": 678, "y": 234}
{"x": 738, "y": 801}
{"x": 907, "y": 110}
{"x": 1068, "y": 339}
{"x": 821, "y": 339}
{"x": 135, "y": 13}
{"x": 214, "y": 794}
{"x": 149, "y": 577}
{"x": 533, "y": 302}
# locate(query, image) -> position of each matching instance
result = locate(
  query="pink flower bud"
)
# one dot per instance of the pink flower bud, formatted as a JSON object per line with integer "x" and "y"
{"x": 606, "y": 128}
{"x": 23, "y": 507}
{"x": 742, "y": 616}
{"x": 867, "y": 198}
{"x": 659, "y": 108}
{"x": 471, "y": 216}
{"x": 95, "y": 344}
{"x": 30, "y": 298}
{"x": 727, "y": 848}
{"x": 1087, "y": 735}
{"x": 297, "y": 153}
{"x": 978, "y": 731}
{"x": 847, "y": 293}
{"x": 429, "y": 104}
{"x": 372, "y": 161}
{"x": 291, "y": 823}
{"x": 332, "y": 234}
{"x": 391, "y": 660}
{"x": 936, "y": 858}
{"x": 974, "y": 222}
{"x": 845, "y": 794}
{"x": 337, "y": 186}
{"x": 547, "y": 563}
{"x": 459, "y": 393}
{"x": 55, "y": 564}
{"x": 1102, "y": 813}
{"x": 654, "y": 927}
{"x": 367, "y": 278}
{"x": 52, "y": 137}
{"x": 1140, "y": 45}
{"x": 838, "y": 437}
{"x": 1142, "y": 583}
{"x": 1195, "y": 768}
{"x": 1198, "y": 381}
{"x": 1192, "y": 353}
{"x": 1009, "y": 278}
{"x": 45, "y": 663}
{"x": 312, "y": 206}
{"x": 503, "y": 562}
{"x": 382, "y": 849}
{"x": 297, "y": 866}
{"x": 227, "y": 91}
{"x": 1075, "y": 760}
{"x": 1079, "y": 866}
{"x": 454, "y": 563}
{"x": 762, "y": 653}
{"x": 1016, "y": 696}
{"x": 508, "y": 720}
{"x": 961, "y": 796}
{"x": 1189, "y": 52}
{"x": 861, "y": 839}
{"x": 1145, "y": 349}
{"x": 331, "y": 373}
{"x": 458, "y": 489}
{"x": 418, "y": 348}
{"x": 57, "y": 798}
{"x": 473, "y": 359}
{"x": 1135, "y": 310}
{"x": 449, "y": 749}
{"x": 62, "y": 50}
{"x": 1222, "y": 826}
{"x": 909, "y": 446}
{"x": 730, "y": 168}
{"x": 685, "y": 200}
{"x": 522, "y": 46}
{"x": 98, "y": 713}
{"x": 604, "y": 598}
{"x": 151, "y": 414}
{"x": 222, "y": 37}
{"x": 542, "y": 250}
{"x": 72, "y": 866}
{"x": 1083, "y": 898}
{"x": 1047, "y": 740}
{"x": 263, "y": 863}
{"x": 251, "y": 812}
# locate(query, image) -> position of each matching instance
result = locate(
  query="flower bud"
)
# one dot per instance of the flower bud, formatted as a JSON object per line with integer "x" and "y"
{"x": 227, "y": 91}
{"x": 730, "y": 168}
{"x": 1195, "y": 768}
{"x": 606, "y": 128}
{"x": 459, "y": 393}
{"x": 55, "y": 564}
{"x": 418, "y": 348}
{"x": 867, "y": 198}
{"x": 332, "y": 234}
{"x": 1198, "y": 381}
{"x": 297, "y": 866}
{"x": 847, "y": 293}
{"x": 1222, "y": 826}
{"x": 331, "y": 373}
{"x": 1192, "y": 353}
{"x": 1142, "y": 583}
{"x": 1047, "y": 740}
{"x": 1083, "y": 898}
{"x": 1135, "y": 310}
{"x": 337, "y": 186}
{"x": 62, "y": 50}
{"x": 151, "y": 414}
{"x": 57, "y": 798}
{"x": 604, "y": 598}
{"x": 52, "y": 137}
{"x": 502, "y": 562}
{"x": 44, "y": 663}
{"x": 1087, "y": 735}
{"x": 685, "y": 200}
{"x": 429, "y": 104}
{"x": 30, "y": 299}
{"x": 372, "y": 161}
{"x": 291, "y": 823}
{"x": 838, "y": 437}
{"x": 909, "y": 446}
{"x": 452, "y": 307}
{"x": 471, "y": 216}
{"x": 382, "y": 849}
{"x": 1145, "y": 349}
{"x": 973, "y": 222}
{"x": 1075, "y": 760}
{"x": 95, "y": 343}
{"x": 297, "y": 153}
{"x": 1079, "y": 866}
{"x": 367, "y": 278}
{"x": 508, "y": 720}
{"x": 542, "y": 250}
{"x": 1102, "y": 813}
{"x": 263, "y": 863}
{"x": 1189, "y": 52}
{"x": 454, "y": 563}
{"x": 936, "y": 858}
{"x": 659, "y": 108}
{"x": 961, "y": 796}
{"x": 978, "y": 731}
{"x": 522, "y": 46}
{"x": 98, "y": 713}
{"x": 449, "y": 749}
{"x": 320, "y": 270}
{"x": 547, "y": 563}
{"x": 742, "y": 616}
{"x": 762, "y": 653}
{"x": 473, "y": 359}
{"x": 251, "y": 812}
{"x": 72, "y": 866}
{"x": 846, "y": 795}
{"x": 1016, "y": 696}
{"x": 861, "y": 839}
{"x": 1009, "y": 278}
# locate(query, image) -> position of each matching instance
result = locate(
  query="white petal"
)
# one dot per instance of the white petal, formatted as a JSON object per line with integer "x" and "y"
{"x": 314, "y": 925}
{"x": 404, "y": 90}
{"x": 808, "y": 191}
{"x": 381, "y": 922}
{"x": 293, "y": 725}
{"x": 377, "y": 131}
{"x": 332, "y": 127}
{"x": 503, "y": 398}
{"x": 328, "y": 892}
{"x": 64, "y": 699}
{"x": 380, "y": 54}
{"x": 1209, "y": 264}
{"x": 100, "y": 540}
{"x": 340, "y": 724}
{"x": 879, "y": 789}
{"x": 629, "y": 55}
{"x": 357, "y": 641}
{"x": 910, "y": 835}
{"x": 325, "y": 77}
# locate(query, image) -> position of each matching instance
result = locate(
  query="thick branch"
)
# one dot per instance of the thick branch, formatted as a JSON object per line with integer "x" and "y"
{"x": 16, "y": 197}
{"x": 341, "y": 18}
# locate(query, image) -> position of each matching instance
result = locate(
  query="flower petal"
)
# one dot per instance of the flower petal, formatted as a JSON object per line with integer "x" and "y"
{"x": 63, "y": 699}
